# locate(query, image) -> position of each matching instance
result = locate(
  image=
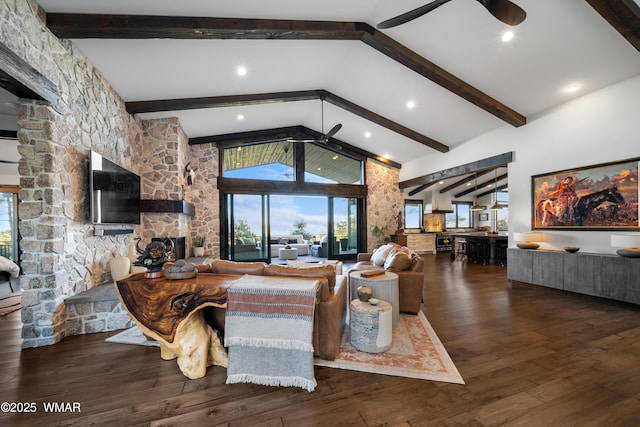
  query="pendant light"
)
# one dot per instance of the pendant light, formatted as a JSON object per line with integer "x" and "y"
{"x": 496, "y": 206}
{"x": 476, "y": 206}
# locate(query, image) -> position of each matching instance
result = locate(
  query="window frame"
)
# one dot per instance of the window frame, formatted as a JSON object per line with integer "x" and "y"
{"x": 420, "y": 204}
{"x": 455, "y": 205}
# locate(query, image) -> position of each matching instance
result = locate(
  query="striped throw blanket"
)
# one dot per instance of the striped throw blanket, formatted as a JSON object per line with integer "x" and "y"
{"x": 268, "y": 331}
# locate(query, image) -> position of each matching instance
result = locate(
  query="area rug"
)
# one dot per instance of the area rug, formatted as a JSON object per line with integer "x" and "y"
{"x": 10, "y": 303}
{"x": 132, "y": 336}
{"x": 416, "y": 352}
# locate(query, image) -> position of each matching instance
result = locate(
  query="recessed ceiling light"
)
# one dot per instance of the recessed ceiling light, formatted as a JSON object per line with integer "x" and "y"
{"x": 468, "y": 184}
{"x": 336, "y": 157}
{"x": 242, "y": 71}
{"x": 441, "y": 182}
{"x": 367, "y": 134}
{"x": 411, "y": 104}
{"x": 507, "y": 36}
{"x": 240, "y": 117}
{"x": 573, "y": 87}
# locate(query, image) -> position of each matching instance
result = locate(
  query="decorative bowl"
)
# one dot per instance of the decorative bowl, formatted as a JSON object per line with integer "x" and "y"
{"x": 571, "y": 249}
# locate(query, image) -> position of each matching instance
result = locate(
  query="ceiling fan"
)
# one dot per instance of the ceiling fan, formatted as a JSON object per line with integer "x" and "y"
{"x": 503, "y": 10}
{"x": 324, "y": 137}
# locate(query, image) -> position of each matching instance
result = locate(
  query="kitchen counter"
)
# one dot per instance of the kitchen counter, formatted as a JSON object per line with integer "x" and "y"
{"x": 484, "y": 248}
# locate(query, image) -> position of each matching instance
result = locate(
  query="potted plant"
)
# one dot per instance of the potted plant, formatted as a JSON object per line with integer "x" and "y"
{"x": 198, "y": 246}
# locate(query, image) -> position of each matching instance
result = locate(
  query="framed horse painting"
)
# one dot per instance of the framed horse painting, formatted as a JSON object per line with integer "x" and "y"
{"x": 598, "y": 197}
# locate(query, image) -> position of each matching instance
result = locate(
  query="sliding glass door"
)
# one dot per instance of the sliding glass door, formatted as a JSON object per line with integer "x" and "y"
{"x": 247, "y": 219}
{"x": 346, "y": 225}
{"x": 325, "y": 227}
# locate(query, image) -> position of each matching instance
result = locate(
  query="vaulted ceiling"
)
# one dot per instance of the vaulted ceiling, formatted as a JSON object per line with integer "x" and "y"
{"x": 168, "y": 58}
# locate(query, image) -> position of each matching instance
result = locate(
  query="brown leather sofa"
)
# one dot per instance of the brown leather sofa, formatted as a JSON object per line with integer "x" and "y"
{"x": 410, "y": 280}
{"x": 330, "y": 316}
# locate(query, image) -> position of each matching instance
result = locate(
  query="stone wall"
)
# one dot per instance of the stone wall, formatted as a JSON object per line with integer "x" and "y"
{"x": 384, "y": 201}
{"x": 204, "y": 195}
{"x": 61, "y": 256}
{"x": 162, "y": 165}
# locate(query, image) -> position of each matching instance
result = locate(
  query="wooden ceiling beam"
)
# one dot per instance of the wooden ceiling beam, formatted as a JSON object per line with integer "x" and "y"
{"x": 464, "y": 181}
{"x": 8, "y": 134}
{"x": 384, "y": 122}
{"x": 24, "y": 81}
{"x": 494, "y": 190}
{"x": 136, "y": 107}
{"x": 480, "y": 187}
{"x": 623, "y": 15}
{"x": 410, "y": 59}
{"x": 478, "y": 166}
{"x": 70, "y": 26}
{"x": 421, "y": 188}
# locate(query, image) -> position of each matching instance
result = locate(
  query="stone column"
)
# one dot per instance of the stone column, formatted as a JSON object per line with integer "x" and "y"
{"x": 384, "y": 201}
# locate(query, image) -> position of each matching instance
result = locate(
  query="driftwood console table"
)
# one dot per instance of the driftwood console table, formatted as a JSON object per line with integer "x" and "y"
{"x": 170, "y": 311}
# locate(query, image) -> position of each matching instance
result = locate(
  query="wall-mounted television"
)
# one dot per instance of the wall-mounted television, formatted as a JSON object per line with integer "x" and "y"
{"x": 115, "y": 192}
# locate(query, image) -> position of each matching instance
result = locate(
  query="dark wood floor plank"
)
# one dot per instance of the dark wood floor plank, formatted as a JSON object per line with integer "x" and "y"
{"x": 529, "y": 356}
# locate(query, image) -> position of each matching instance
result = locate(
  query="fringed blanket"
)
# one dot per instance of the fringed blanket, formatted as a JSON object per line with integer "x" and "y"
{"x": 268, "y": 331}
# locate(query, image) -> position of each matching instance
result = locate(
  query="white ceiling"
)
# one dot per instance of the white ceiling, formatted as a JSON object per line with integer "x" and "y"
{"x": 559, "y": 43}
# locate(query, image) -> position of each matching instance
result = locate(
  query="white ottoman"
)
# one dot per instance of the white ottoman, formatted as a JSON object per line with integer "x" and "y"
{"x": 370, "y": 326}
{"x": 284, "y": 253}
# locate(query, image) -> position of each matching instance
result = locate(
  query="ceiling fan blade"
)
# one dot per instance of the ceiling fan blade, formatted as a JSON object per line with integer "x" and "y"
{"x": 333, "y": 131}
{"x": 9, "y": 162}
{"x": 301, "y": 140}
{"x": 505, "y": 11}
{"x": 411, "y": 15}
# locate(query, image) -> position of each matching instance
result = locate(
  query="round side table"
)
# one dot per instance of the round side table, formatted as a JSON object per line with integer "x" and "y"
{"x": 385, "y": 287}
{"x": 370, "y": 326}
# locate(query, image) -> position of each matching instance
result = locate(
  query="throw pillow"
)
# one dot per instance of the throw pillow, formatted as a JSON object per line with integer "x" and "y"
{"x": 380, "y": 255}
{"x": 398, "y": 260}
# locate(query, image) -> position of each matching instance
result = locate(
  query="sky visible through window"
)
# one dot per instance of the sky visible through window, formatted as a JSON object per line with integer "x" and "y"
{"x": 285, "y": 211}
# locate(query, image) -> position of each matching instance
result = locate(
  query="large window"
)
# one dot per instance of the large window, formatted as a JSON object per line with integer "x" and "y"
{"x": 413, "y": 214}
{"x": 327, "y": 166}
{"x": 461, "y": 216}
{"x": 275, "y": 161}
{"x": 271, "y": 161}
{"x": 291, "y": 188}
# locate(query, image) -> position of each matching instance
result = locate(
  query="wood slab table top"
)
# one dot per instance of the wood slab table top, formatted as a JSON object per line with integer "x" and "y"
{"x": 161, "y": 304}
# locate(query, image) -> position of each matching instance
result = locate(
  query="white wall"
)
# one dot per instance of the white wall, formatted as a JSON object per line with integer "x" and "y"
{"x": 601, "y": 127}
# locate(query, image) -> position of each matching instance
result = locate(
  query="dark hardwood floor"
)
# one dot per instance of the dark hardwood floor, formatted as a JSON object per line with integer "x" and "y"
{"x": 530, "y": 356}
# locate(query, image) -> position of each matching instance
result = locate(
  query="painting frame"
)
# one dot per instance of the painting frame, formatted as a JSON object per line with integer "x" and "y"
{"x": 596, "y": 197}
{"x": 483, "y": 217}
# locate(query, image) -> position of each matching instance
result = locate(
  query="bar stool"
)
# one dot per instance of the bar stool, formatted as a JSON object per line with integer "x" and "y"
{"x": 461, "y": 250}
